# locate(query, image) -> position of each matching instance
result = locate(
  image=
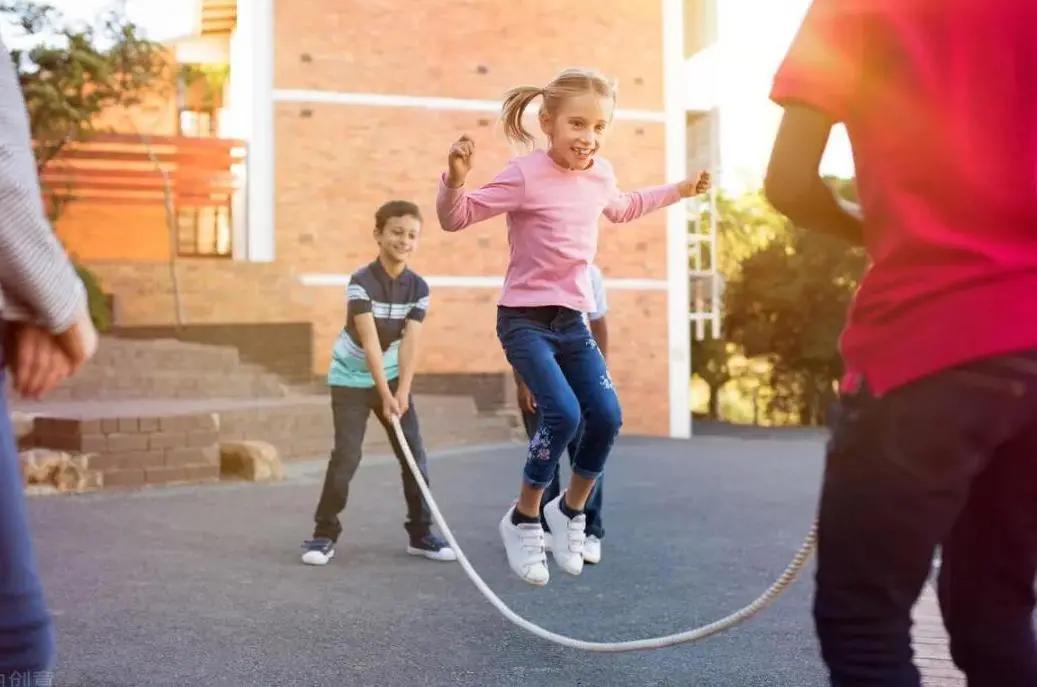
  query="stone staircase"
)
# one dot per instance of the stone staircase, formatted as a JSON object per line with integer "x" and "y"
{"x": 124, "y": 402}
{"x": 166, "y": 368}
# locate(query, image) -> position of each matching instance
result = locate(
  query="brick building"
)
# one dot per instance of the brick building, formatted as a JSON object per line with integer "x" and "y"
{"x": 343, "y": 105}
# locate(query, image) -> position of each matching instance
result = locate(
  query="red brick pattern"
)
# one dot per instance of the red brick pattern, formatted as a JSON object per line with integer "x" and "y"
{"x": 336, "y": 163}
{"x": 461, "y": 48}
{"x": 133, "y": 451}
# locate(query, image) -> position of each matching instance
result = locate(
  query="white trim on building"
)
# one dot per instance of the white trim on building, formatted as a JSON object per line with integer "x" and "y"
{"x": 252, "y": 114}
{"x": 678, "y": 301}
{"x": 287, "y": 95}
{"x": 478, "y": 282}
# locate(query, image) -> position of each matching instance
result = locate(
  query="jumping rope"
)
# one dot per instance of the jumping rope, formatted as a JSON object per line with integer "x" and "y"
{"x": 793, "y": 570}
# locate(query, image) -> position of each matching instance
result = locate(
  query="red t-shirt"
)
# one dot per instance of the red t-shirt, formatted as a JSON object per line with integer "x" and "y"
{"x": 940, "y": 101}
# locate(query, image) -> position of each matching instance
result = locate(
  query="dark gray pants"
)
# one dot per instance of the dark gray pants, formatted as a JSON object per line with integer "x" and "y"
{"x": 949, "y": 461}
{"x": 351, "y": 408}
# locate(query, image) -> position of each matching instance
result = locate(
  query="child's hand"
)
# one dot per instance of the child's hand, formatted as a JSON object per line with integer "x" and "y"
{"x": 38, "y": 362}
{"x": 403, "y": 401}
{"x": 526, "y": 401}
{"x": 390, "y": 407}
{"x": 79, "y": 341}
{"x": 700, "y": 184}
{"x": 460, "y": 161}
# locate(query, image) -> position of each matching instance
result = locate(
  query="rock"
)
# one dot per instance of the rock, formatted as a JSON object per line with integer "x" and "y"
{"x": 44, "y": 470}
{"x": 255, "y": 461}
{"x": 40, "y": 490}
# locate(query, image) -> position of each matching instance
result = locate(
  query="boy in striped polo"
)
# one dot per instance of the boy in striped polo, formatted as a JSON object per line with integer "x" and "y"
{"x": 372, "y": 368}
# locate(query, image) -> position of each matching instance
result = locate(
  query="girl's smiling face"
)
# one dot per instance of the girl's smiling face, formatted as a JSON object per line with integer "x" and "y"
{"x": 577, "y": 128}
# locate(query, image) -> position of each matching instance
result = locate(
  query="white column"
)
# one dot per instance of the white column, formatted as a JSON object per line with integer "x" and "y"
{"x": 252, "y": 103}
{"x": 679, "y": 339}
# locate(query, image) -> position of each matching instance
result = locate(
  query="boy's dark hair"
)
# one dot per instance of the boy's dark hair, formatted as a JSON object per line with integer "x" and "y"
{"x": 395, "y": 208}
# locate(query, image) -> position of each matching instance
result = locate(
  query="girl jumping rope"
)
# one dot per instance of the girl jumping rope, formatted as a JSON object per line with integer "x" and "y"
{"x": 553, "y": 199}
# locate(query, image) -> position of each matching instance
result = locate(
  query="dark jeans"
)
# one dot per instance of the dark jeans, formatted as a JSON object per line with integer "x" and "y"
{"x": 26, "y": 634}
{"x": 552, "y": 350}
{"x": 949, "y": 461}
{"x": 593, "y": 508}
{"x": 351, "y": 408}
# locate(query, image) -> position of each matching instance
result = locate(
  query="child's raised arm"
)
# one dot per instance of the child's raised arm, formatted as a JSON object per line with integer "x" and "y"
{"x": 626, "y": 207}
{"x": 457, "y": 208}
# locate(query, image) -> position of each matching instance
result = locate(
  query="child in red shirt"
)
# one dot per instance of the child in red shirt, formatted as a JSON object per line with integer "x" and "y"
{"x": 937, "y": 444}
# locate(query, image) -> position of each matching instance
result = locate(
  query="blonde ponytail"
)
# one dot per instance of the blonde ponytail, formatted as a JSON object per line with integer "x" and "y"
{"x": 570, "y": 82}
{"x": 515, "y": 103}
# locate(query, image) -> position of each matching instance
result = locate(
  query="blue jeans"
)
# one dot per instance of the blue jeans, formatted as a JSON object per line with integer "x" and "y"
{"x": 555, "y": 354}
{"x": 594, "y": 527}
{"x": 26, "y": 634}
{"x": 949, "y": 461}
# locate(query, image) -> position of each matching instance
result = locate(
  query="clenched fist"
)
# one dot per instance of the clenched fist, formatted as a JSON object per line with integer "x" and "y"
{"x": 459, "y": 161}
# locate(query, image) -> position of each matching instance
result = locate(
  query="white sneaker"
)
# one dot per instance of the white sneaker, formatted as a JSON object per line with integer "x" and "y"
{"x": 568, "y": 537}
{"x": 549, "y": 541}
{"x": 318, "y": 551}
{"x": 592, "y": 550}
{"x": 429, "y": 546}
{"x": 525, "y": 547}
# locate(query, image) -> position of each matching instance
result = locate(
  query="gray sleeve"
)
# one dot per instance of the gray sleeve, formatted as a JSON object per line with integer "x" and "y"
{"x": 36, "y": 276}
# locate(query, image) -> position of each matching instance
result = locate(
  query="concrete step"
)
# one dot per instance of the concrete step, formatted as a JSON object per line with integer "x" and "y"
{"x": 167, "y": 368}
{"x": 112, "y": 384}
{"x": 164, "y": 353}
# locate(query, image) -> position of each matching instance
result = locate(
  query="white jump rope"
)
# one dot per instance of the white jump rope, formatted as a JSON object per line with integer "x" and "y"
{"x": 793, "y": 570}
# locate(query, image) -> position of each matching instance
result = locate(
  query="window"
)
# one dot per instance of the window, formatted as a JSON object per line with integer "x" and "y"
{"x": 700, "y": 25}
{"x": 204, "y": 231}
{"x": 197, "y": 123}
{"x": 703, "y": 135}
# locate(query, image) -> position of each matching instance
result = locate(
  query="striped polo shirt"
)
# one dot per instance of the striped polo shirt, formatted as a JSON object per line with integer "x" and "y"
{"x": 392, "y": 302}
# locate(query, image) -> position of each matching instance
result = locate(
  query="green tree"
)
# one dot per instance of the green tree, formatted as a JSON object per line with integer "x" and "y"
{"x": 788, "y": 304}
{"x": 711, "y": 362}
{"x": 72, "y": 75}
{"x": 746, "y": 224}
{"x": 75, "y": 72}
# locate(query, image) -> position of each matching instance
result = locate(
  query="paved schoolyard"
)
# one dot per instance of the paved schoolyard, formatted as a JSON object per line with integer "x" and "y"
{"x": 202, "y": 585}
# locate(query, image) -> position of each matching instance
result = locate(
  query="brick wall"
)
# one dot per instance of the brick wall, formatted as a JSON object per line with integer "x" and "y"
{"x": 93, "y": 232}
{"x": 336, "y": 163}
{"x": 133, "y": 451}
{"x": 327, "y": 196}
{"x": 437, "y": 47}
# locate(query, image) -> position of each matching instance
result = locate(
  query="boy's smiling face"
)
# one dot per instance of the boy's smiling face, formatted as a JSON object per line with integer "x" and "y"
{"x": 398, "y": 238}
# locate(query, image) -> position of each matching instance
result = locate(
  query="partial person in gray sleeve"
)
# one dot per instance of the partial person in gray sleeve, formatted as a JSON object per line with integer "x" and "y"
{"x": 45, "y": 336}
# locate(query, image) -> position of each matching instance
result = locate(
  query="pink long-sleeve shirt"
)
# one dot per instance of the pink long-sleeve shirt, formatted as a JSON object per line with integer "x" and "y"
{"x": 552, "y": 217}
